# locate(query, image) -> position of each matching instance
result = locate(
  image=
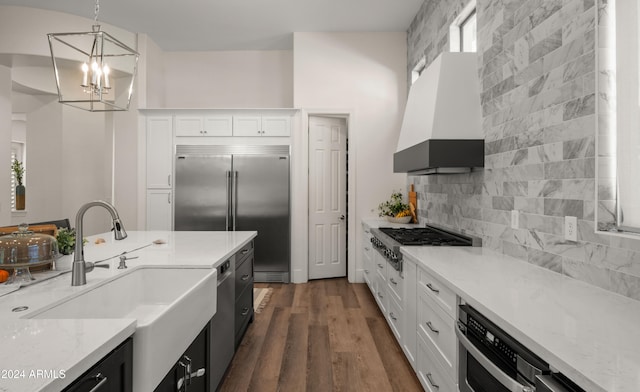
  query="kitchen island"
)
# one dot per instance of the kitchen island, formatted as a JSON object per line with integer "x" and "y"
{"x": 49, "y": 354}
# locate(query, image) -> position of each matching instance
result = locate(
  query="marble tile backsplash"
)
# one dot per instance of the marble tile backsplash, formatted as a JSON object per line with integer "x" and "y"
{"x": 537, "y": 69}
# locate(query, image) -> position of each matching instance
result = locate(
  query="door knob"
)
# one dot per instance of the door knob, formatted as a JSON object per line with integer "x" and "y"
{"x": 341, "y": 217}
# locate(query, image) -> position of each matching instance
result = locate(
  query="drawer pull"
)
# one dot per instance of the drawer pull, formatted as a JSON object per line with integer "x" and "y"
{"x": 244, "y": 252}
{"x": 244, "y": 278}
{"x": 432, "y": 288}
{"x": 431, "y": 327}
{"x": 365, "y": 248}
{"x": 436, "y": 386}
{"x": 245, "y": 311}
{"x": 366, "y": 272}
{"x": 392, "y": 316}
{"x": 380, "y": 295}
{"x": 393, "y": 281}
{"x": 367, "y": 231}
{"x": 102, "y": 380}
{"x": 380, "y": 265}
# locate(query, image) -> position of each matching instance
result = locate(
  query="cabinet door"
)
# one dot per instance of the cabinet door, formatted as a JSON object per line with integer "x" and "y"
{"x": 247, "y": 125}
{"x": 159, "y": 152}
{"x": 276, "y": 126}
{"x": 196, "y": 361}
{"x": 410, "y": 311}
{"x": 189, "y": 374}
{"x": 189, "y": 126}
{"x": 114, "y": 373}
{"x": 218, "y": 126}
{"x": 159, "y": 215}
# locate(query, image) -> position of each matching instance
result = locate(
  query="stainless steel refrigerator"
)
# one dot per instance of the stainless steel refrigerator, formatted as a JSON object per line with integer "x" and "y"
{"x": 238, "y": 188}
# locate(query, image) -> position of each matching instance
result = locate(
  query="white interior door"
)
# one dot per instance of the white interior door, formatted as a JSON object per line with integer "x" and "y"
{"x": 327, "y": 197}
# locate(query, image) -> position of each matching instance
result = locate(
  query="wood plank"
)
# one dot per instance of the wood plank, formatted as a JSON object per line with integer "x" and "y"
{"x": 367, "y": 303}
{"x": 319, "y": 367}
{"x": 393, "y": 359}
{"x": 346, "y": 376}
{"x": 267, "y": 370}
{"x": 318, "y": 299}
{"x": 293, "y": 372}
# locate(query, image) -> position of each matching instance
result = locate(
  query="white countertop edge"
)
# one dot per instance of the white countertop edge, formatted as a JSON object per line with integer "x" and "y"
{"x": 92, "y": 359}
{"x": 582, "y": 378}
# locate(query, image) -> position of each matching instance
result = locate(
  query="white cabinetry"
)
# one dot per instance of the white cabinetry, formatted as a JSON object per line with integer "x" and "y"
{"x": 159, "y": 211}
{"x": 410, "y": 342}
{"x": 261, "y": 125}
{"x": 159, "y": 152}
{"x": 159, "y": 172}
{"x": 437, "y": 361}
{"x": 367, "y": 254}
{"x": 214, "y": 125}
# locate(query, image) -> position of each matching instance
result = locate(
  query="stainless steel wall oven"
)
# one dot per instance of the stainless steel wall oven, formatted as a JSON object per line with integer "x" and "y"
{"x": 492, "y": 361}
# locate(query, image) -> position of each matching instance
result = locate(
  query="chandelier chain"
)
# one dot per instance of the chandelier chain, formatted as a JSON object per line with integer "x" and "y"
{"x": 97, "y": 10}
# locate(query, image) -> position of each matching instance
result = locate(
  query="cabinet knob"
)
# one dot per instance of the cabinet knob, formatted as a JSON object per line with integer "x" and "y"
{"x": 244, "y": 278}
{"x": 245, "y": 311}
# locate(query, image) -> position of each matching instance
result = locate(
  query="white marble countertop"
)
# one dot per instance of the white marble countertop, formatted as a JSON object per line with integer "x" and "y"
{"x": 589, "y": 334}
{"x": 374, "y": 223}
{"x": 46, "y": 355}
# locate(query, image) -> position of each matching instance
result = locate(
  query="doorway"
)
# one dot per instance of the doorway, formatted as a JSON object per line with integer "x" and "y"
{"x": 328, "y": 162}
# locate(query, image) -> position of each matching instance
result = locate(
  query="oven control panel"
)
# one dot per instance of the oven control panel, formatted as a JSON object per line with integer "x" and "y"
{"x": 489, "y": 339}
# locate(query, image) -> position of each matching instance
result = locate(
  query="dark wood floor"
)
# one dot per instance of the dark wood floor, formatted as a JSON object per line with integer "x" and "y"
{"x": 325, "y": 335}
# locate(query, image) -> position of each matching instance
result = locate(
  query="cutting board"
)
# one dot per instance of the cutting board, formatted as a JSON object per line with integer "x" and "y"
{"x": 413, "y": 200}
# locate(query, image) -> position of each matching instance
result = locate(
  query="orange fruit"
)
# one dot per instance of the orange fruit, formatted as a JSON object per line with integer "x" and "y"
{"x": 4, "y": 275}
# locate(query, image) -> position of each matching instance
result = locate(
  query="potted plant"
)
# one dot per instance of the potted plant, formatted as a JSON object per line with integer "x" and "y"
{"x": 18, "y": 172}
{"x": 66, "y": 240}
{"x": 394, "y": 209}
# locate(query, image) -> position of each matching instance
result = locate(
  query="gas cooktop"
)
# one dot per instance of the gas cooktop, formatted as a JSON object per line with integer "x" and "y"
{"x": 425, "y": 236}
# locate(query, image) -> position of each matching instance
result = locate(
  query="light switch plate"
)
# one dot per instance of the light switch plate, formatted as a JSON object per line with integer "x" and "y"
{"x": 571, "y": 228}
{"x": 515, "y": 217}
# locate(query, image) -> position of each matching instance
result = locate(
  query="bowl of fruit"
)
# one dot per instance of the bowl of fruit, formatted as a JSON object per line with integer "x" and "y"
{"x": 395, "y": 210}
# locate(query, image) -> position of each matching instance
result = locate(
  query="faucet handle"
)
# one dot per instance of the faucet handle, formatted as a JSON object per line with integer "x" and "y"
{"x": 89, "y": 266}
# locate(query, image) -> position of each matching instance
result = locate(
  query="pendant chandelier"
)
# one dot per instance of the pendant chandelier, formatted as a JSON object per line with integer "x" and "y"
{"x": 93, "y": 70}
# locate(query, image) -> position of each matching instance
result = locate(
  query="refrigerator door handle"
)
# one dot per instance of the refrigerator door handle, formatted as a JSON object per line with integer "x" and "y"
{"x": 235, "y": 198}
{"x": 228, "y": 174}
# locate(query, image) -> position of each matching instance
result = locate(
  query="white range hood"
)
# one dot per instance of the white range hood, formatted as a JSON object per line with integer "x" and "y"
{"x": 442, "y": 125}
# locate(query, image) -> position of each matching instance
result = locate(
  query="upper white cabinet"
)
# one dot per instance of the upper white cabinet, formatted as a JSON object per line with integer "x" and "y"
{"x": 218, "y": 125}
{"x": 159, "y": 152}
{"x": 261, "y": 125}
{"x": 276, "y": 126}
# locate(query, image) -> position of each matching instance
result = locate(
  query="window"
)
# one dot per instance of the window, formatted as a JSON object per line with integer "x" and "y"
{"x": 618, "y": 142}
{"x": 463, "y": 32}
{"x": 418, "y": 69}
{"x": 468, "y": 33}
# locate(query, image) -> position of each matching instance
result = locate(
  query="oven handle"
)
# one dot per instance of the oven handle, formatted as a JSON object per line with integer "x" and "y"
{"x": 508, "y": 382}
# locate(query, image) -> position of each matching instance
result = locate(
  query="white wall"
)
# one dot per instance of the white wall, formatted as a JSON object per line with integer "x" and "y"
{"x": 228, "y": 79}
{"x": 363, "y": 75}
{"x": 5, "y": 145}
{"x": 43, "y": 128}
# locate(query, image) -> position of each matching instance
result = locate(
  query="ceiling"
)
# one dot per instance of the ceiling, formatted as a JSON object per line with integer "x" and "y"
{"x": 206, "y": 25}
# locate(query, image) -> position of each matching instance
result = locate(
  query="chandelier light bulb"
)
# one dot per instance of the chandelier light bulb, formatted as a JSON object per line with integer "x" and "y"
{"x": 94, "y": 73}
{"x": 85, "y": 78}
{"x": 106, "y": 70}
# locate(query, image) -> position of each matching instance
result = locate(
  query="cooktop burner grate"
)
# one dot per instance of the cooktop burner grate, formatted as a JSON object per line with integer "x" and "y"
{"x": 424, "y": 236}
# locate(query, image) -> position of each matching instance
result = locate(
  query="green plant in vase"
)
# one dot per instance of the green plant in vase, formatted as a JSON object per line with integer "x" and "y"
{"x": 394, "y": 207}
{"x": 18, "y": 172}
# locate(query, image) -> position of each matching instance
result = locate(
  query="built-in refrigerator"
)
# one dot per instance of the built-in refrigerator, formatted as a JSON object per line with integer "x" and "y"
{"x": 238, "y": 188}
